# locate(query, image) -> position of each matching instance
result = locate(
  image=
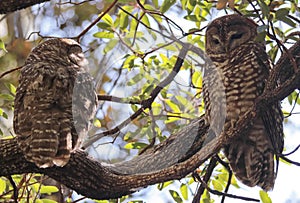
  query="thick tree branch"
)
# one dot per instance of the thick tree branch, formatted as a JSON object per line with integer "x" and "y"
{"x": 173, "y": 159}
{"x": 7, "y": 6}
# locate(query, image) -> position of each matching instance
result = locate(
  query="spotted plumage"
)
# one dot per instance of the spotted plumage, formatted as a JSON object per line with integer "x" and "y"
{"x": 241, "y": 68}
{"x": 54, "y": 104}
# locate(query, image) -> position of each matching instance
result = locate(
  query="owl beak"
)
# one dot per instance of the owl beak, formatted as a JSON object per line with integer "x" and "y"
{"x": 226, "y": 47}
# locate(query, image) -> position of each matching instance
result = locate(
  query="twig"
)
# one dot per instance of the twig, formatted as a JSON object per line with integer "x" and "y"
{"x": 215, "y": 192}
{"x": 74, "y": 3}
{"x": 280, "y": 45}
{"x": 256, "y": 11}
{"x": 289, "y": 161}
{"x": 160, "y": 14}
{"x": 226, "y": 165}
{"x": 153, "y": 139}
{"x": 295, "y": 103}
{"x": 291, "y": 151}
{"x": 212, "y": 164}
{"x": 9, "y": 71}
{"x": 117, "y": 99}
{"x": 77, "y": 38}
{"x": 146, "y": 103}
{"x": 15, "y": 188}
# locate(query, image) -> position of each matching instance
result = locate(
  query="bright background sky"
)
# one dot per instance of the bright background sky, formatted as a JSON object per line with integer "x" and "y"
{"x": 287, "y": 185}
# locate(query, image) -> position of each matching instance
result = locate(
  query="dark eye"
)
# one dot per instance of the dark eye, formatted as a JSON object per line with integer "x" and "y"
{"x": 75, "y": 49}
{"x": 236, "y": 36}
{"x": 215, "y": 41}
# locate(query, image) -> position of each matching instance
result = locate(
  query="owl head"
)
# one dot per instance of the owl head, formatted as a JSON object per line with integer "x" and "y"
{"x": 227, "y": 33}
{"x": 64, "y": 50}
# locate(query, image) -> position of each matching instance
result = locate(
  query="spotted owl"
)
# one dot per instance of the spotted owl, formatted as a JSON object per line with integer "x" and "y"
{"x": 55, "y": 102}
{"x": 230, "y": 86}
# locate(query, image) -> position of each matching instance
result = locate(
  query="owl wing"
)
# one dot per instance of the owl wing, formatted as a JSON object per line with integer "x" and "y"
{"x": 43, "y": 115}
{"x": 271, "y": 115}
{"x": 83, "y": 106}
{"x": 214, "y": 98}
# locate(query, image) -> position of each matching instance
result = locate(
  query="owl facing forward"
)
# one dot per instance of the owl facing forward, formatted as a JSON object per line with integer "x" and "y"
{"x": 54, "y": 104}
{"x": 241, "y": 68}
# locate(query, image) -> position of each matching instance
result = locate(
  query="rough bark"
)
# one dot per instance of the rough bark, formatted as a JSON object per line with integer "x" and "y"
{"x": 162, "y": 163}
{"x": 7, "y": 6}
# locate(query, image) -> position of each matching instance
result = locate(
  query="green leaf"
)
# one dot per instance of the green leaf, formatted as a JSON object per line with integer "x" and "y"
{"x": 7, "y": 97}
{"x": 135, "y": 145}
{"x": 108, "y": 19}
{"x": 48, "y": 189}
{"x": 3, "y": 114}
{"x": 133, "y": 23}
{"x": 161, "y": 186}
{"x": 124, "y": 20}
{"x": 12, "y": 88}
{"x": 206, "y": 197}
{"x": 264, "y": 8}
{"x": 281, "y": 13}
{"x": 155, "y": 3}
{"x": 172, "y": 119}
{"x": 97, "y": 123}
{"x": 190, "y": 5}
{"x": 175, "y": 196}
{"x": 145, "y": 20}
{"x": 184, "y": 191}
{"x": 148, "y": 89}
{"x": 2, "y": 45}
{"x": 156, "y": 108}
{"x": 197, "y": 79}
{"x": 135, "y": 79}
{"x": 48, "y": 201}
{"x": 101, "y": 201}
{"x": 217, "y": 185}
{"x": 173, "y": 106}
{"x": 134, "y": 107}
{"x": 2, "y": 185}
{"x": 166, "y": 5}
{"x": 129, "y": 62}
{"x": 135, "y": 34}
{"x": 110, "y": 45}
{"x": 107, "y": 35}
{"x": 264, "y": 197}
{"x": 288, "y": 21}
{"x": 104, "y": 26}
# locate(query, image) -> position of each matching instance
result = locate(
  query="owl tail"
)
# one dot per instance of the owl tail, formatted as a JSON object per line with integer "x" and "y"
{"x": 41, "y": 146}
{"x": 251, "y": 158}
{"x": 64, "y": 144}
{"x": 50, "y": 141}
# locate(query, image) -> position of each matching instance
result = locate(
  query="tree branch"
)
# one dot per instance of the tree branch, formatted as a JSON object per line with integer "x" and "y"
{"x": 172, "y": 159}
{"x": 7, "y": 6}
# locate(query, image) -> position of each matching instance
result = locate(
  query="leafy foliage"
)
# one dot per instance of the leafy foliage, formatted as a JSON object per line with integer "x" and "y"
{"x": 28, "y": 187}
{"x": 132, "y": 49}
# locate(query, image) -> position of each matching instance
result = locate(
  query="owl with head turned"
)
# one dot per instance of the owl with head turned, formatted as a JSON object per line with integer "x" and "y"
{"x": 55, "y": 102}
{"x": 230, "y": 87}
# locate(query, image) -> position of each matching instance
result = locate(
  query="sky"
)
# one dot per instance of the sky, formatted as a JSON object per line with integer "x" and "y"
{"x": 286, "y": 188}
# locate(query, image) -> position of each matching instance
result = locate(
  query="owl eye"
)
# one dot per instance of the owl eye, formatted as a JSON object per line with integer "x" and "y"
{"x": 215, "y": 41}
{"x": 75, "y": 49}
{"x": 236, "y": 36}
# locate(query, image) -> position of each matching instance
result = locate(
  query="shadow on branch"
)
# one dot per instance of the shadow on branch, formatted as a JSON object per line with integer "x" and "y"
{"x": 163, "y": 162}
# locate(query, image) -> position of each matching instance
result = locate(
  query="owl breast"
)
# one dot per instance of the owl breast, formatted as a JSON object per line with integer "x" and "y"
{"x": 243, "y": 79}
